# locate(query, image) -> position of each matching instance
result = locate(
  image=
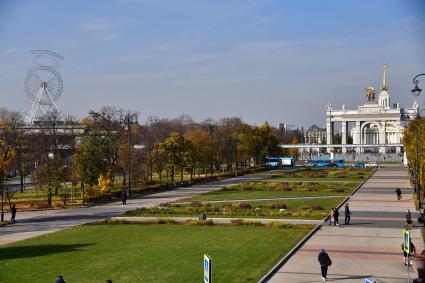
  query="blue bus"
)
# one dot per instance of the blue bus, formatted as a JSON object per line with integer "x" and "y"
{"x": 327, "y": 162}
{"x": 275, "y": 162}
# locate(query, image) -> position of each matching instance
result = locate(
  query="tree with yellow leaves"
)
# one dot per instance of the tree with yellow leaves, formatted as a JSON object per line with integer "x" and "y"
{"x": 414, "y": 135}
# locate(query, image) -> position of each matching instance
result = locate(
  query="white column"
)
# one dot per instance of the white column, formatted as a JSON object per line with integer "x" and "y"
{"x": 344, "y": 135}
{"x": 358, "y": 137}
{"x": 329, "y": 132}
{"x": 397, "y": 136}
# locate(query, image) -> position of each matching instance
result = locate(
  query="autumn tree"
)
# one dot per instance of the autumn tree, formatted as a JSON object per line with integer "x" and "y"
{"x": 414, "y": 136}
{"x": 175, "y": 153}
{"x": 201, "y": 150}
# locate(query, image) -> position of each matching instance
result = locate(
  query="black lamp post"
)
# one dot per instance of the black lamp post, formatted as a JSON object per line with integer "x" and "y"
{"x": 416, "y": 91}
{"x": 128, "y": 120}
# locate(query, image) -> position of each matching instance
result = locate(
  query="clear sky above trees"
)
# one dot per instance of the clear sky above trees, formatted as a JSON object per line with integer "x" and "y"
{"x": 259, "y": 60}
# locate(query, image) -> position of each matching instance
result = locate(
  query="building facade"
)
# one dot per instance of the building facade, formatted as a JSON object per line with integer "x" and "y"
{"x": 376, "y": 122}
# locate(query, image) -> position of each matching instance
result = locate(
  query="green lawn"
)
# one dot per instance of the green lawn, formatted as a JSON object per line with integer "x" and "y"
{"x": 147, "y": 253}
{"x": 253, "y": 190}
{"x": 298, "y": 209}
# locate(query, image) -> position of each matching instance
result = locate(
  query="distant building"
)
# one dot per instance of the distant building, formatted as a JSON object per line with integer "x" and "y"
{"x": 315, "y": 135}
{"x": 375, "y": 126}
{"x": 374, "y": 122}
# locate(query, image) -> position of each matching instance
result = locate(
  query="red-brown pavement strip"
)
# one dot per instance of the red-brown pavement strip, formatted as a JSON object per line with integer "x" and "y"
{"x": 401, "y": 219}
{"x": 372, "y": 256}
{"x": 351, "y": 248}
{"x": 360, "y": 251}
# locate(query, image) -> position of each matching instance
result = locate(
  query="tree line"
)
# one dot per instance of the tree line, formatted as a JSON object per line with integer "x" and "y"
{"x": 104, "y": 146}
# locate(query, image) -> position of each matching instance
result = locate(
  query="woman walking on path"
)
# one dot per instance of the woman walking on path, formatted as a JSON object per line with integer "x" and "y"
{"x": 332, "y": 217}
{"x": 325, "y": 261}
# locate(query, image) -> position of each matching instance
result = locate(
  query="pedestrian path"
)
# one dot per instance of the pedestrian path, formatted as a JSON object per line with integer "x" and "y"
{"x": 35, "y": 223}
{"x": 368, "y": 248}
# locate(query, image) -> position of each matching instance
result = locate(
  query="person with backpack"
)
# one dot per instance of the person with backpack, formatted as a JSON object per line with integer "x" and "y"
{"x": 412, "y": 250}
{"x": 324, "y": 261}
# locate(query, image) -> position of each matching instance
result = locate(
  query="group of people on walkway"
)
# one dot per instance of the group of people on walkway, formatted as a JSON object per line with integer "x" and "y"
{"x": 334, "y": 216}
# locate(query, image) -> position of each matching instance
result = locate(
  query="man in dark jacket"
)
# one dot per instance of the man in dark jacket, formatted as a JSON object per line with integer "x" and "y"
{"x": 398, "y": 193}
{"x": 13, "y": 212}
{"x": 60, "y": 279}
{"x": 347, "y": 214}
{"x": 124, "y": 198}
{"x": 325, "y": 262}
{"x": 336, "y": 215}
{"x": 408, "y": 217}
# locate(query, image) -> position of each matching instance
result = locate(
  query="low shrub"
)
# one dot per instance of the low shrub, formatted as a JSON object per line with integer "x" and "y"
{"x": 195, "y": 204}
{"x": 278, "y": 206}
{"x": 237, "y": 221}
{"x": 244, "y": 205}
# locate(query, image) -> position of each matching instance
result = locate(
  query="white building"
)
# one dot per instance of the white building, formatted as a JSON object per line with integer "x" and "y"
{"x": 373, "y": 123}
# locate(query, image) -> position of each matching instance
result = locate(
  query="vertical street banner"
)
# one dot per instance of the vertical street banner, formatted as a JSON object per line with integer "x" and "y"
{"x": 406, "y": 241}
{"x": 207, "y": 269}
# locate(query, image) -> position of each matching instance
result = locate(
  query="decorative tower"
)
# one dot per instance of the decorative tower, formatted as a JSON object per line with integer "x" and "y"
{"x": 384, "y": 97}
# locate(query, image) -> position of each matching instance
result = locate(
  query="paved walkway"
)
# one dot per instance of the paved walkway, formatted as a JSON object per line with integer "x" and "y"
{"x": 35, "y": 223}
{"x": 371, "y": 246}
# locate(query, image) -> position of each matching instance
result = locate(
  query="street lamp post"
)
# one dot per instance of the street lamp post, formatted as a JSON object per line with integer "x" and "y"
{"x": 128, "y": 120}
{"x": 416, "y": 91}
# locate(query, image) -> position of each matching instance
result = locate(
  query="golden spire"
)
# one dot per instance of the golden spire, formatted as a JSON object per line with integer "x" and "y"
{"x": 384, "y": 86}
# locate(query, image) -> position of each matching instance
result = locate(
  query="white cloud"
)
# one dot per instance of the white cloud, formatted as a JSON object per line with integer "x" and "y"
{"x": 101, "y": 29}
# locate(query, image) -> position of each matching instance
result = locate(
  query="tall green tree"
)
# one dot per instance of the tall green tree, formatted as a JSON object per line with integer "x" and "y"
{"x": 176, "y": 153}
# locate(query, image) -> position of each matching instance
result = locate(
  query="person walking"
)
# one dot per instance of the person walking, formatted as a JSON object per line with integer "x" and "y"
{"x": 347, "y": 215}
{"x": 412, "y": 250}
{"x": 13, "y": 212}
{"x": 324, "y": 261}
{"x": 123, "y": 198}
{"x": 398, "y": 193}
{"x": 336, "y": 216}
{"x": 332, "y": 217}
{"x": 408, "y": 217}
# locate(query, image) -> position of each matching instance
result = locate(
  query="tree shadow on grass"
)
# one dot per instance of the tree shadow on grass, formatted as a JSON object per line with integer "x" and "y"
{"x": 38, "y": 250}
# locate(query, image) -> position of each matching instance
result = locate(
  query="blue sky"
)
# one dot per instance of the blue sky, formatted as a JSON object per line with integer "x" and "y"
{"x": 280, "y": 61}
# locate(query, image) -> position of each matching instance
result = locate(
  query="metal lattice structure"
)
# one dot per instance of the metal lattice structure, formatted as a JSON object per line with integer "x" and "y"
{"x": 43, "y": 85}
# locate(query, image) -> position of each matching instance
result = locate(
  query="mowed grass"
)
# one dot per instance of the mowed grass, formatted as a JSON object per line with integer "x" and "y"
{"x": 296, "y": 209}
{"x": 258, "y": 190}
{"x": 147, "y": 253}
